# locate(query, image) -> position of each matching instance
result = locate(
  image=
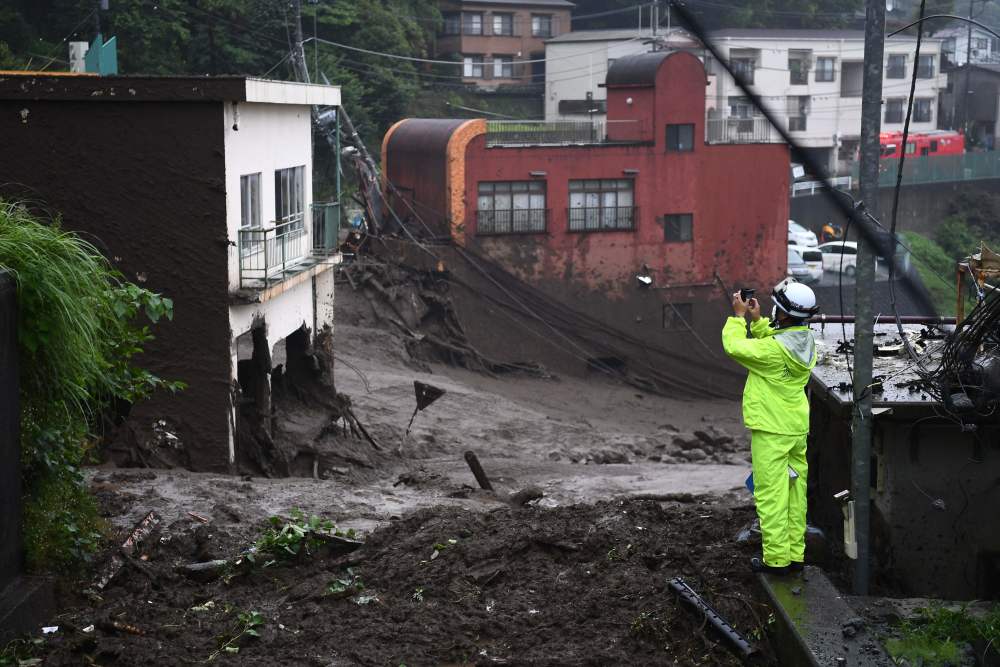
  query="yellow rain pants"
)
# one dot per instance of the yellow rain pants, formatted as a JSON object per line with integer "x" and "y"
{"x": 776, "y": 411}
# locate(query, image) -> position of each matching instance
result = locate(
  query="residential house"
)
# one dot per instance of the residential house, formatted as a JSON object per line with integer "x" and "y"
{"x": 578, "y": 62}
{"x": 811, "y": 80}
{"x": 972, "y": 102}
{"x": 578, "y": 213}
{"x": 501, "y": 42}
{"x": 964, "y": 43}
{"x": 199, "y": 188}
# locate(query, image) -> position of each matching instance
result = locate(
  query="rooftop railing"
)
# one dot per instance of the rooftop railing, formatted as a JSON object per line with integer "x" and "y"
{"x": 554, "y": 133}
{"x": 734, "y": 130}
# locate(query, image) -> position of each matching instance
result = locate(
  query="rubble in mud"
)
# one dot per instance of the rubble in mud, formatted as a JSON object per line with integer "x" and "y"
{"x": 585, "y": 584}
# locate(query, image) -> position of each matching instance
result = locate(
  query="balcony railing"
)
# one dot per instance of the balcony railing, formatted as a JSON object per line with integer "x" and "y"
{"x": 267, "y": 254}
{"x": 739, "y": 131}
{"x": 602, "y": 218}
{"x": 548, "y": 133}
{"x": 514, "y": 221}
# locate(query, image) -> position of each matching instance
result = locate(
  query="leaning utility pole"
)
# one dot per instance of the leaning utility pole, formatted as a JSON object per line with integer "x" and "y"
{"x": 861, "y": 424}
{"x": 968, "y": 69}
{"x": 298, "y": 49}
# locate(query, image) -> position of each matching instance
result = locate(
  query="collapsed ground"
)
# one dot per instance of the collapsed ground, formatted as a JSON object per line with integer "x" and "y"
{"x": 577, "y": 577}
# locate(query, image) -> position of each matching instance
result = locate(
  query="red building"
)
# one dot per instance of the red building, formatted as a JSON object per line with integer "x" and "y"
{"x": 578, "y": 210}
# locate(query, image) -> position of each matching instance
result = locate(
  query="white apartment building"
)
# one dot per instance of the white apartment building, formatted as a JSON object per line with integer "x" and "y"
{"x": 577, "y": 64}
{"x": 957, "y": 48}
{"x": 810, "y": 79}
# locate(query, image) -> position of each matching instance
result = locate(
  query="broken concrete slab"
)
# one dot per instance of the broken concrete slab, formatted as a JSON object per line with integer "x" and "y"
{"x": 815, "y": 624}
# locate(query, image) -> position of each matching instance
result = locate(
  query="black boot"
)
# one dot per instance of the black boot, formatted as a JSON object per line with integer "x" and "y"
{"x": 758, "y": 565}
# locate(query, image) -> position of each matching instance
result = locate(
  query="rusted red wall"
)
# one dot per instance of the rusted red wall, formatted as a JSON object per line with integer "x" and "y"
{"x": 738, "y": 195}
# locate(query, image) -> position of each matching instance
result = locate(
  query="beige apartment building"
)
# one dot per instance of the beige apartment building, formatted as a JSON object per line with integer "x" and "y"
{"x": 501, "y": 42}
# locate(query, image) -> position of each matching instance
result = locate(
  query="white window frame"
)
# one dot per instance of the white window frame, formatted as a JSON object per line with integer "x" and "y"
{"x": 250, "y": 201}
{"x": 289, "y": 196}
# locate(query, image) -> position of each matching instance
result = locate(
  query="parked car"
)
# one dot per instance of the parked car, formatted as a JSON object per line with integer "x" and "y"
{"x": 797, "y": 268}
{"x": 837, "y": 254}
{"x": 813, "y": 258}
{"x": 800, "y": 236}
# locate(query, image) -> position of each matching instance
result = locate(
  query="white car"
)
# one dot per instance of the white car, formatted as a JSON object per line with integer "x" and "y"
{"x": 837, "y": 254}
{"x": 800, "y": 236}
{"x": 797, "y": 268}
{"x": 813, "y": 259}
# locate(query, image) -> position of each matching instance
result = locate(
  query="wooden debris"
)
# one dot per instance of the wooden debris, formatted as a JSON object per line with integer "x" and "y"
{"x": 477, "y": 470}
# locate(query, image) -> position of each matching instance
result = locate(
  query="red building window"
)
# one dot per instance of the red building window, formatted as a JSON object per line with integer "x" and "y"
{"x": 678, "y": 228}
{"x": 680, "y": 138}
{"x": 598, "y": 205}
{"x": 511, "y": 207}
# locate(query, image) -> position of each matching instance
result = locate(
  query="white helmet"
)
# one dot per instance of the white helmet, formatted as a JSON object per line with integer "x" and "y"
{"x": 794, "y": 298}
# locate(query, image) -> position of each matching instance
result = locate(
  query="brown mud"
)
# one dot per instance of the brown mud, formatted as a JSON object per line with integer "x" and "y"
{"x": 638, "y": 488}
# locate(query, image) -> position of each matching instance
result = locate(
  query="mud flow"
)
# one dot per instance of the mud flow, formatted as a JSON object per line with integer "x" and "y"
{"x": 601, "y": 495}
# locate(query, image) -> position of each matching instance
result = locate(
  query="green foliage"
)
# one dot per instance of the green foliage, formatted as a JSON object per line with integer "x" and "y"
{"x": 728, "y": 13}
{"x": 934, "y": 266}
{"x": 21, "y": 652}
{"x": 286, "y": 540}
{"x": 248, "y": 624}
{"x": 62, "y": 526}
{"x": 935, "y": 637}
{"x": 78, "y": 333}
{"x": 347, "y": 585}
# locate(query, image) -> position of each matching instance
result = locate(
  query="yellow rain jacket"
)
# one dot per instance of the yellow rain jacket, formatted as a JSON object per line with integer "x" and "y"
{"x": 779, "y": 361}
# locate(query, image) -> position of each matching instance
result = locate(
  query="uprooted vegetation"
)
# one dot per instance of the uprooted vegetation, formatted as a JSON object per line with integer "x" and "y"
{"x": 585, "y": 584}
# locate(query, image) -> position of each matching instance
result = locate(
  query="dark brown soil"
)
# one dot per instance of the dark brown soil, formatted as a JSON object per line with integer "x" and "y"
{"x": 577, "y": 585}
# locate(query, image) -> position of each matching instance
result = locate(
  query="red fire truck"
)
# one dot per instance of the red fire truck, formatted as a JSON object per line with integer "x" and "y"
{"x": 919, "y": 144}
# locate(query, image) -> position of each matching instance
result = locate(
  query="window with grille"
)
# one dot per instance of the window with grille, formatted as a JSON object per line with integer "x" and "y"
{"x": 922, "y": 110}
{"x": 741, "y": 107}
{"x": 925, "y": 67}
{"x": 541, "y": 25}
{"x": 680, "y": 138}
{"x": 452, "y": 23}
{"x": 894, "y": 110}
{"x": 678, "y": 228}
{"x": 472, "y": 23}
{"x": 798, "y": 67}
{"x": 601, "y": 205}
{"x": 472, "y": 67}
{"x": 744, "y": 68}
{"x": 897, "y": 66}
{"x": 289, "y": 196}
{"x": 503, "y": 67}
{"x": 503, "y": 24}
{"x": 798, "y": 110}
{"x": 826, "y": 69}
{"x": 511, "y": 207}
{"x": 678, "y": 316}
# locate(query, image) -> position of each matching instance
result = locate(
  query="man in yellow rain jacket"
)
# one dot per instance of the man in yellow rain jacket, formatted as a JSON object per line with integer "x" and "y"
{"x": 779, "y": 356}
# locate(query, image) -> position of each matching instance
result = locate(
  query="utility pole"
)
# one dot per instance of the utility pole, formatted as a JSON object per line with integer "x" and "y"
{"x": 861, "y": 422}
{"x": 298, "y": 50}
{"x": 968, "y": 66}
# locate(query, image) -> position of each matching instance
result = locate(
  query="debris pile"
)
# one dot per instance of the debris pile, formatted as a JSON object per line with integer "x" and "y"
{"x": 586, "y": 584}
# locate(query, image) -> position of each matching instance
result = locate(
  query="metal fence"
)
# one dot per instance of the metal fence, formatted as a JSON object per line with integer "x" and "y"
{"x": 558, "y": 132}
{"x": 740, "y": 131}
{"x": 267, "y": 254}
{"x": 602, "y": 218}
{"x": 514, "y": 221}
{"x": 939, "y": 168}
